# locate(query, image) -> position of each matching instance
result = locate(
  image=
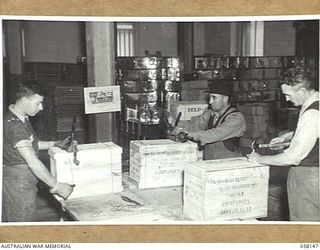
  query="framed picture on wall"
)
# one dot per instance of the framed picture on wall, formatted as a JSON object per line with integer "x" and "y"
{"x": 102, "y": 99}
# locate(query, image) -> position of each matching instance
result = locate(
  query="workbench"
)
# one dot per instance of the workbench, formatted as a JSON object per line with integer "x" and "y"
{"x": 132, "y": 206}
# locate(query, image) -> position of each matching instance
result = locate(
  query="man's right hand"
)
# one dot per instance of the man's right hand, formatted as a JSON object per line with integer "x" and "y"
{"x": 275, "y": 141}
{"x": 177, "y": 130}
{"x": 64, "y": 190}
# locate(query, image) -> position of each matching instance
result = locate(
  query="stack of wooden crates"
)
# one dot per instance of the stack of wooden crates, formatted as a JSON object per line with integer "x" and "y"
{"x": 63, "y": 84}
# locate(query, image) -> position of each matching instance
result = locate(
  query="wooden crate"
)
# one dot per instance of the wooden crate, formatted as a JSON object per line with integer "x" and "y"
{"x": 160, "y": 163}
{"x": 98, "y": 172}
{"x": 225, "y": 189}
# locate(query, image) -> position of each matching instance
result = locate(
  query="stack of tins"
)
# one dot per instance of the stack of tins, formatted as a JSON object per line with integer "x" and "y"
{"x": 147, "y": 83}
{"x": 225, "y": 189}
{"x": 160, "y": 163}
{"x": 98, "y": 171}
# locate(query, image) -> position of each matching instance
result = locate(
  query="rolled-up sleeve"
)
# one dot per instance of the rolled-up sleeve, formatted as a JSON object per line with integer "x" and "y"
{"x": 305, "y": 137}
{"x": 196, "y": 123}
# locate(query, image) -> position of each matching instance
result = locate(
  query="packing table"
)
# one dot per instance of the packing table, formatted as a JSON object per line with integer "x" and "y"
{"x": 132, "y": 206}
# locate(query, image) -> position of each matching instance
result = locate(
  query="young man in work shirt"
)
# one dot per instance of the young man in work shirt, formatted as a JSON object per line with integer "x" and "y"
{"x": 220, "y": 127}
{"x": 21, "y": 165}
{"x": 303, "y": 152}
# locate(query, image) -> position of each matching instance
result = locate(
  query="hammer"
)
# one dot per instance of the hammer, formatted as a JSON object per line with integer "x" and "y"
{"x": 255, "y": 145}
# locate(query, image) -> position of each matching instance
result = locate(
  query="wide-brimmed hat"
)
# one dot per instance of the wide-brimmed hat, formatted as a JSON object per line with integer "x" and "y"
{"x": 220, "y": 86}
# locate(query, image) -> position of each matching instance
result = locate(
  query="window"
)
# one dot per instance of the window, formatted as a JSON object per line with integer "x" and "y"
{"x": 125, "y": 39}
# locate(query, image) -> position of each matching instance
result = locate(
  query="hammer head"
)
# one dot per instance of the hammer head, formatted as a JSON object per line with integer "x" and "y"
{"x": 254, "y": 144}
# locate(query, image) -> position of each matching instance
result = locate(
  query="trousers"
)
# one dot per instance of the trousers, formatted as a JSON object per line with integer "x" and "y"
{"x": 18, "y": 193}
{"x": 303, "y": 193}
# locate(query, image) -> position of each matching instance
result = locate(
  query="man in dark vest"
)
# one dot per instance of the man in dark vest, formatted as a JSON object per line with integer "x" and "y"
{"x": 303, "y": 152}
{"x": 219, "y": 128}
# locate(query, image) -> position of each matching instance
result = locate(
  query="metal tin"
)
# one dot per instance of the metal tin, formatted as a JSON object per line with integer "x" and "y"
{"x": 239, "y": 97}
{"x": 171, "y": 86}
{"x": 256, "y": 62}
{"x": 271, "y": 62}
{"x": 146, "y": 74}
{"x": 270, "y": 95}
{"x": 204, "y": 74}
{"x": 234, "y": 62}
{"x": 244, "y": 62}
{"x": 171, "y": 74}
{"x": 170, "y": 62}
{"x": 133, "y": 110}
{"x": 140, "y": 97}
{"x": 147, "y": 62}
{"x": 255, "y": 96}
{"x": 201, "y": 63}
{"x": 138, "y": 86}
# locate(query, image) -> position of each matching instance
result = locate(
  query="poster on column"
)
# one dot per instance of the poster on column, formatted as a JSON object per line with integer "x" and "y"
{"x": 102, "y": 99}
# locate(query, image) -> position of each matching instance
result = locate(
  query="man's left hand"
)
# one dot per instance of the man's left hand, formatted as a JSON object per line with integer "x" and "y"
{"x": 63, "y": 143}
{"x": 195, "y": 137}
{"x": 253, "y": 157}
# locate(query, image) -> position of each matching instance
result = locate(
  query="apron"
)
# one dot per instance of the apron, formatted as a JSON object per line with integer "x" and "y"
{"x": 303, "y": 197}
{"x": 303, "y": 185}
{"x": 218, "y": 150}
{"x": 18, "y": 194}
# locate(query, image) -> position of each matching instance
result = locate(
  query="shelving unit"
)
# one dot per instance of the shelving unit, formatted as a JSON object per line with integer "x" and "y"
{"x": 147, "y": 84}
{"x": 255, "y": 79}
{"x": 256, "y": 82}
{"x": 62, "y": 103}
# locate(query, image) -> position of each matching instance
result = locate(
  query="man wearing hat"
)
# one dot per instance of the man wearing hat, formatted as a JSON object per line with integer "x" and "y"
{"x": 220, "y": 127}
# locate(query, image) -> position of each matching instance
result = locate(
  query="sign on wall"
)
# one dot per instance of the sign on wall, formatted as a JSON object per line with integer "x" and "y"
{"x": 102, "y": 99}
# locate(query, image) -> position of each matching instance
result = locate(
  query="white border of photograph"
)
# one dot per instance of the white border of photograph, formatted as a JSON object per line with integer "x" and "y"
{"x": 115, "y": 105}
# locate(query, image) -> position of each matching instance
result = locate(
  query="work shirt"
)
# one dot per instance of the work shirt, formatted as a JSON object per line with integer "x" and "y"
{"x": 16, "y": 130}
{"x": 19, "y": 183}
{"x": 232, "y": 126}
{"x": 306, "y": 134}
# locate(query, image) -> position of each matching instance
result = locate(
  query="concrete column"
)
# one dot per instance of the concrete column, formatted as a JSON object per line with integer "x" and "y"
{"x": 14, "y": 58}
{"x": 185, "y": 48}
{"x": 101, "y": 72}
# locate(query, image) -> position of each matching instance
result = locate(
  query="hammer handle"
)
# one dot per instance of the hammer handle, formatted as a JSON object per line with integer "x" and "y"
{"x": 285, "y": 144}
{"x": 178, "y": 119}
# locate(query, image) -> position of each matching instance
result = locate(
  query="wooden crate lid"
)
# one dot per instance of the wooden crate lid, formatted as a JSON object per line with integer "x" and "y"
{"x": 142, "y": 146}
{"x": 207, "y": 166}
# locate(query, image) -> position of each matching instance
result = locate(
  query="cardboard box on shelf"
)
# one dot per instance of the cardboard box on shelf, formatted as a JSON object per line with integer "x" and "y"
{"x": 188, "y": 109}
